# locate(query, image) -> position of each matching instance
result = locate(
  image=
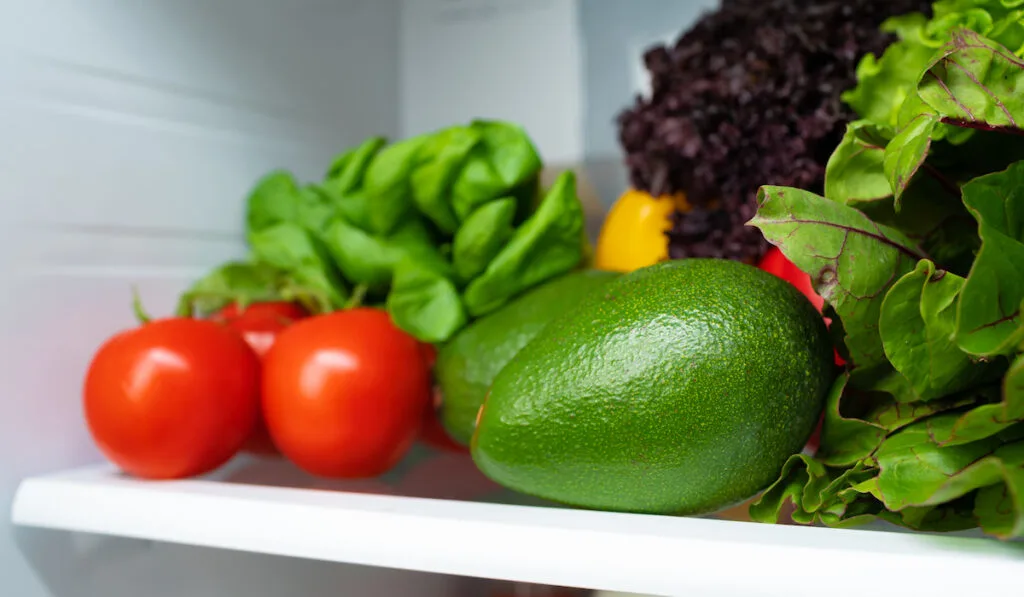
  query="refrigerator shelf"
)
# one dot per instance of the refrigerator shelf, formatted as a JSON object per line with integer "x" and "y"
{"x": 267, "y": 507}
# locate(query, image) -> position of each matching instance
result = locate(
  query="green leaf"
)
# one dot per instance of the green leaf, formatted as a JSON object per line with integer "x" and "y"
{"x": 956, "y": 515}
{"x": 481, "y": 237}
{"x": 976, "y": 82}
{"x": 290, "y": 247}
{"x": 884, "y": 84}
{"x": 314, "y": 209}
{"x": 513, "y": 155}
{"x": 906, "y": 153}
{"x": 857, "y": 421}
{"x": 346, "y": 172}
{"x": 989, "y": 313}
{"x": 917, "y": 324}
{"x": 371, "y": 259}
{"x": 443, "y": 157}
{"x": 846, "y": 439}
{"x": 914, "y": 470}
{"x": 855, "y": 172}
{"x": 851, "y": 259}
{"x": 274, "y": 199}
{"x": 386, "y": 184}
{"x": 999, "y": 508}
{"x": 233, "y": 282}
{"x": 799, "y": 475}
{"x": 424, "y": 303}
{"x": 545, "y": 245}
{"x": 989, "y": 417}
{"x": 1008, "y": 29}
{"x": 819, "y": 494}
{"x": 504, "y": 162}
{"x": 354, "y": 206}
{"x": 995, "y": 407}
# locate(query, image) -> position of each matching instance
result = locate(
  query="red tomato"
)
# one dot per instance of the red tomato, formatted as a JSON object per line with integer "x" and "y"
{"x": 259, "y": 324}
{"x": 344, "y": 393}
{"x": 172, "y": 398}
{"x": 774, "y": 262}
{"x": 429, "y": 354}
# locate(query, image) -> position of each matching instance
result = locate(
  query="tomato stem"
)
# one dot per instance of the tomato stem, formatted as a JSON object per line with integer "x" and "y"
{"x": 138, "y": 309}
{"x": 358, "y": 294}
{"x": 185, "y": 307}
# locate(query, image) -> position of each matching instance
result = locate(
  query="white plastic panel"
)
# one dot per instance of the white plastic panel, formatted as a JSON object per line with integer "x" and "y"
{"x": 615, "y": 35}
{"x": 517, "y": 60}
{"x": 131, "y": 132}
{"x": 600, "y": 550}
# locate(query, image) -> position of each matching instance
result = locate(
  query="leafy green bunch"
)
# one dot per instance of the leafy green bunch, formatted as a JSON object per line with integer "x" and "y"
{"x": 918, "y": 250}
{"x": 884, "y": 84}
{"x": 438, "y": 228}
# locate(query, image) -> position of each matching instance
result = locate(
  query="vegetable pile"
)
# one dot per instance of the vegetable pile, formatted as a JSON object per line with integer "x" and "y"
{"x": 319, "y": 346}
{"x": 439, "y": 229}
{"x": 917, "y": 248}
{"x": 748, "y": 96}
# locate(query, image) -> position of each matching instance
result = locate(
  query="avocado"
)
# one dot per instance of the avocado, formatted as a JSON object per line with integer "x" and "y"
{"x": 681, "y": 388}
{"x": 467, "y": 364}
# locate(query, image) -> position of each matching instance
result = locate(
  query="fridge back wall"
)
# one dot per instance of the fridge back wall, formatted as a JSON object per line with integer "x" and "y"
{"x": 131, "y": 132}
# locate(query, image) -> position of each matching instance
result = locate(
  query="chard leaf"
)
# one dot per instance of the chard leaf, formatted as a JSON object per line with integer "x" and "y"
{"x": 975, "y": 82}
{"x": 799, "y": 476}
{"x": 883, "y": 84}
{"x": 956, "y": 515}
{"x": 989, "y": 313}
{"x": 906, "y": 153}
{"x": 917, "y": 324}
{"x": 999, "y": 508}
{"x": 915, "y": 470}
{"x": 989, "y": 417}
{"x": 845, "y": 439}
{"x": 855, "y": 172}
{"x": 851, "y": 259}
{"x": 858, "y": 421}
{"x": 994, "y": 409}
{"x": 818, "y": 493}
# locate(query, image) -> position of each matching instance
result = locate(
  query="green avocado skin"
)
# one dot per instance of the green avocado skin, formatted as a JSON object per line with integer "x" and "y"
{"x": 467, "y": 365}
{"x": 681, "y": 388}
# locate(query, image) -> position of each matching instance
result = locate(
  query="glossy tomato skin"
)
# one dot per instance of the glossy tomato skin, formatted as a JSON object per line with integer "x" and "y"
{"x": 259, "y": 324}
{"x": 172, "y": 398}
{"x": 344, "y": 393}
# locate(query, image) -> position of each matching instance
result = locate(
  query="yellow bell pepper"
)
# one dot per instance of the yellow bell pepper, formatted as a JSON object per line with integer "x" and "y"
{"x": 633, "y": 233}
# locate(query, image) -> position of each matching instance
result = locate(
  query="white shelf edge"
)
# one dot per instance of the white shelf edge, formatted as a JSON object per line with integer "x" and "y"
{"x": 599, "y": 550}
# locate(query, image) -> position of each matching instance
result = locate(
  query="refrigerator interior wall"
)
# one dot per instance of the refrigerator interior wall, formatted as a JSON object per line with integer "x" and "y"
{"x": 131, "y": 132}
{"x": 615, "y": 35}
